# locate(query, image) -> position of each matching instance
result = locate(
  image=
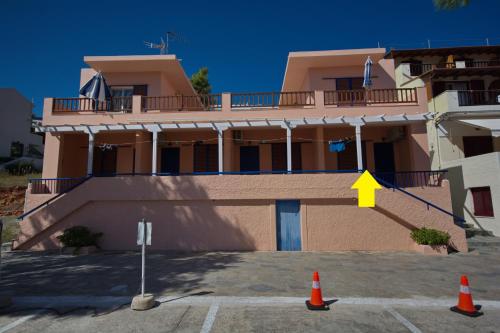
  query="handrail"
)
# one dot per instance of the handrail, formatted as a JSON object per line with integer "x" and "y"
{"x": 428, "y": 203}
{"x": 46, "y": 203}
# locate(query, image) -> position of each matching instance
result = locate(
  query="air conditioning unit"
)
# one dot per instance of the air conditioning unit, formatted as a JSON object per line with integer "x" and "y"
{"x": 237, "y": 136}
{"x": 396, "y": 134}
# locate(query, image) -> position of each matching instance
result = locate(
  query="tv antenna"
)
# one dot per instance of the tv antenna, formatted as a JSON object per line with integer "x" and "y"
{"x": 164, "y": 45}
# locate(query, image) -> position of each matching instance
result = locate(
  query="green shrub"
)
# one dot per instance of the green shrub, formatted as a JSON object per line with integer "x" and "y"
{"x": 21, "y": 168}
{"x": 79, "y": 236}
{"x": 426, "y": 236}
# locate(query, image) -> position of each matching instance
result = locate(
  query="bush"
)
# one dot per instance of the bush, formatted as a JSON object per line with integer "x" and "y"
{"x": 20, "y": 168}
{"x": 79, "y": 236}
{"x": 426, "y": 236}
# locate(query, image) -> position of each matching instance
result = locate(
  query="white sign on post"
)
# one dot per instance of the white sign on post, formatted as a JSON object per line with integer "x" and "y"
{"x": 143, "y": 238}
{"x": 141, "y": 232}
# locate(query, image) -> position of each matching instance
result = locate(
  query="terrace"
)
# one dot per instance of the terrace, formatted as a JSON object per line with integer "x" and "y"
{"x": 228, "y": 106}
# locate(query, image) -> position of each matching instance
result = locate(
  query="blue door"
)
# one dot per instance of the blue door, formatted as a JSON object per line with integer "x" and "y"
{"x": 288, "y": 225}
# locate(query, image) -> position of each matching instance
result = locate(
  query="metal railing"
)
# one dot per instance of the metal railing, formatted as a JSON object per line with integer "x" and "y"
{"x": 53, "y": 185}
{"x": 46, "y": 203}
{"x": 429, "y": 204}
{"x": 413, "y": 178}
{"x": 211, "y": 102}
{"x": 114, "y": 104}
{"x": 478, "y": 97}
{"x": 272, "y": 99}
{"x": 371, "y": 96}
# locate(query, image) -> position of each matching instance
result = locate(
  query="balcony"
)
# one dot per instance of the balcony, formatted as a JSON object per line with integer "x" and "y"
{"x": 481, "y": 102}
{"x": 237, "y": 106}
{"x": 417, "y": 69}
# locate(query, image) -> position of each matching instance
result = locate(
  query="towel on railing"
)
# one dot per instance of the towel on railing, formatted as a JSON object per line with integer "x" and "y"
{"x": 337, "y": 146}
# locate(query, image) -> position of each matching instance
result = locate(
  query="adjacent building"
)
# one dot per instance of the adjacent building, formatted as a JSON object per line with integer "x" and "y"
{"x": 240, "y": 171}
{"x": 463, "y": 89}
{"x": 16, "y": 131}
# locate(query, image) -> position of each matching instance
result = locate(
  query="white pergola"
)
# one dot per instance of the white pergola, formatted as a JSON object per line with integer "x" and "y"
{"x": 221, "y": 126}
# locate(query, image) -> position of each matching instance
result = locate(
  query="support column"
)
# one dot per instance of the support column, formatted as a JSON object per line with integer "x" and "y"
{"x": 154, "y": 157}
{"x": 288, "y": 129}
{"x": 220, "y": 134}
{"x": 288, "y": 149}
{"x": 320, "y": 149}
{"x": 359, "y": 148}
{"x": 90, "y": 156}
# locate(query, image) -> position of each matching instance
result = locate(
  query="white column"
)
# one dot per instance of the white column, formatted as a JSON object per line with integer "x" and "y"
{"x": 288, "y": 149}
{"x": 359, "y": 149}
{"x": 90, "y": 156}
{"x": 154, "y": 154}
{"x": 220, "y": 142}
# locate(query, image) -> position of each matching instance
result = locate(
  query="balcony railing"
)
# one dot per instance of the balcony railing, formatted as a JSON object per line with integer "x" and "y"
{"x": 478, "y": 97}
{"x": 114, "y": 104}
{"x": 228, "y": 102}
{"x": 53, "y": 185}
{"x": 179, "y": 103}
{"x": 272, "y": 99}
{"x": 413, "y": 178}
{"x": 371, "y": 96}
{"x": 417, "y": 69}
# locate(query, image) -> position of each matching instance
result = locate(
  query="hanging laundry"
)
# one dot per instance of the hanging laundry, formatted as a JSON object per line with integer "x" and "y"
{"x": 336, "y": 146}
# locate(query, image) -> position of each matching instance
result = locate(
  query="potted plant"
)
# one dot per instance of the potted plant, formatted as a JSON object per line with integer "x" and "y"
{"x": 79, "y": 240}
{"x": 431, "y": 241}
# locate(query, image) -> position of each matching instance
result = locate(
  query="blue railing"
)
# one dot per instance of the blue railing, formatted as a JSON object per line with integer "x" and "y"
{"x": 428, "y": 203}
{"x": 53, "y": 185}
{"x": 66, "y": 190}
{"x": 413, "y": 178}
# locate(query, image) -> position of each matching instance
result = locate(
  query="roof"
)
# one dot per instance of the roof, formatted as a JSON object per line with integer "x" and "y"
{"x": 444, "y": 51}
{"x": 167, "y": 63}
{"x": 299, "y": 62}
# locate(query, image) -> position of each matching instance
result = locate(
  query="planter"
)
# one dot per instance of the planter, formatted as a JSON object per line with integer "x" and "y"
{"x": 436, "y": 250}
{"x": 83, "y": 250}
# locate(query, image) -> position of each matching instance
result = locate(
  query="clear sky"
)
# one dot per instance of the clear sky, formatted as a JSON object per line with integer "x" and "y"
{"x": 243, "y": 43}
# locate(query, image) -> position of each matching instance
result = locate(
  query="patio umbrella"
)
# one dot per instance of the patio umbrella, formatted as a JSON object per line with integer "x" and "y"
{"x": 96, "y": 89}
{"x": 367, "y": 81}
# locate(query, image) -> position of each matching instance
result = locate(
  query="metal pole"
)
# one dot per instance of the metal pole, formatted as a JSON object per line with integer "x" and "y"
{"x": 143, "y": 273}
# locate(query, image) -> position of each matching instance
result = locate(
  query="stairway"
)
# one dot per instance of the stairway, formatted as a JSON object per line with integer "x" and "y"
{"x": 471, "y": 231}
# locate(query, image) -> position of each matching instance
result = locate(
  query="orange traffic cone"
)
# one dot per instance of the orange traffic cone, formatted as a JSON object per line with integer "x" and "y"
{"x": 316, "y": 302}
{"x": 465, "y": 305}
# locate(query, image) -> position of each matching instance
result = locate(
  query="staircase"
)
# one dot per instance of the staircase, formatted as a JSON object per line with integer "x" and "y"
{"x": 472, "y": 231}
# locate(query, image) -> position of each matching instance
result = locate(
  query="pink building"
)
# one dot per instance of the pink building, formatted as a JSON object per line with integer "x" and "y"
{"x": 245, "y": 171}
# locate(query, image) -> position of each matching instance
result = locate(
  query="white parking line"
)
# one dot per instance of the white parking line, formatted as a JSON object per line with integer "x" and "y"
{"x": 403, "y": 320}
{"x": 107, "y": 301}
{"x": 210, "y": 318}
{"x": 20, "y": 321}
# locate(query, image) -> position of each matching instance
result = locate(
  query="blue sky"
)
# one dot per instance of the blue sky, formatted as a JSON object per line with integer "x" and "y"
{"x": 243, "y": 43}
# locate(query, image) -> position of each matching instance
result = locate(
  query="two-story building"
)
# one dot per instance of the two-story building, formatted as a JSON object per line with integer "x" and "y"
{"x": 240, "y": 171}
{"x": 463, "y": 89}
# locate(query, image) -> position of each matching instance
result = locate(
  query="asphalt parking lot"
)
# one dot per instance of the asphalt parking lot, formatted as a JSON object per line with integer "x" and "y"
{"x": 249, "y": 292}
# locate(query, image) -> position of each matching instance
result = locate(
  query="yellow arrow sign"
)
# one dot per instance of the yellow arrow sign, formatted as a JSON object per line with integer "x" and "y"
{"x": 366, "y": 186}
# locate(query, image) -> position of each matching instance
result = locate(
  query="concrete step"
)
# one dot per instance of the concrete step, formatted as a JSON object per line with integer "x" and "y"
{"x": 471, "y": 232}
{"x": 484, "y": 241}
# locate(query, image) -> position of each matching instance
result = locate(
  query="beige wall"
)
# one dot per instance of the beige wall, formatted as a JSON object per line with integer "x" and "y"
{"x": 158, "y": 83}
{"x": 476, "y": 171}
{"x": 237, "y": 213}
{"x": 324, "y": 78}
{"x": 15, "y": 121}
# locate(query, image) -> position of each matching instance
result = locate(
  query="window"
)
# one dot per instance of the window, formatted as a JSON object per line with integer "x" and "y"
{"x": 122, "y": 97}
{"x": 477, "y": 145}
{"x": 206, "y": 158}
{"x": 483, "y": 206}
